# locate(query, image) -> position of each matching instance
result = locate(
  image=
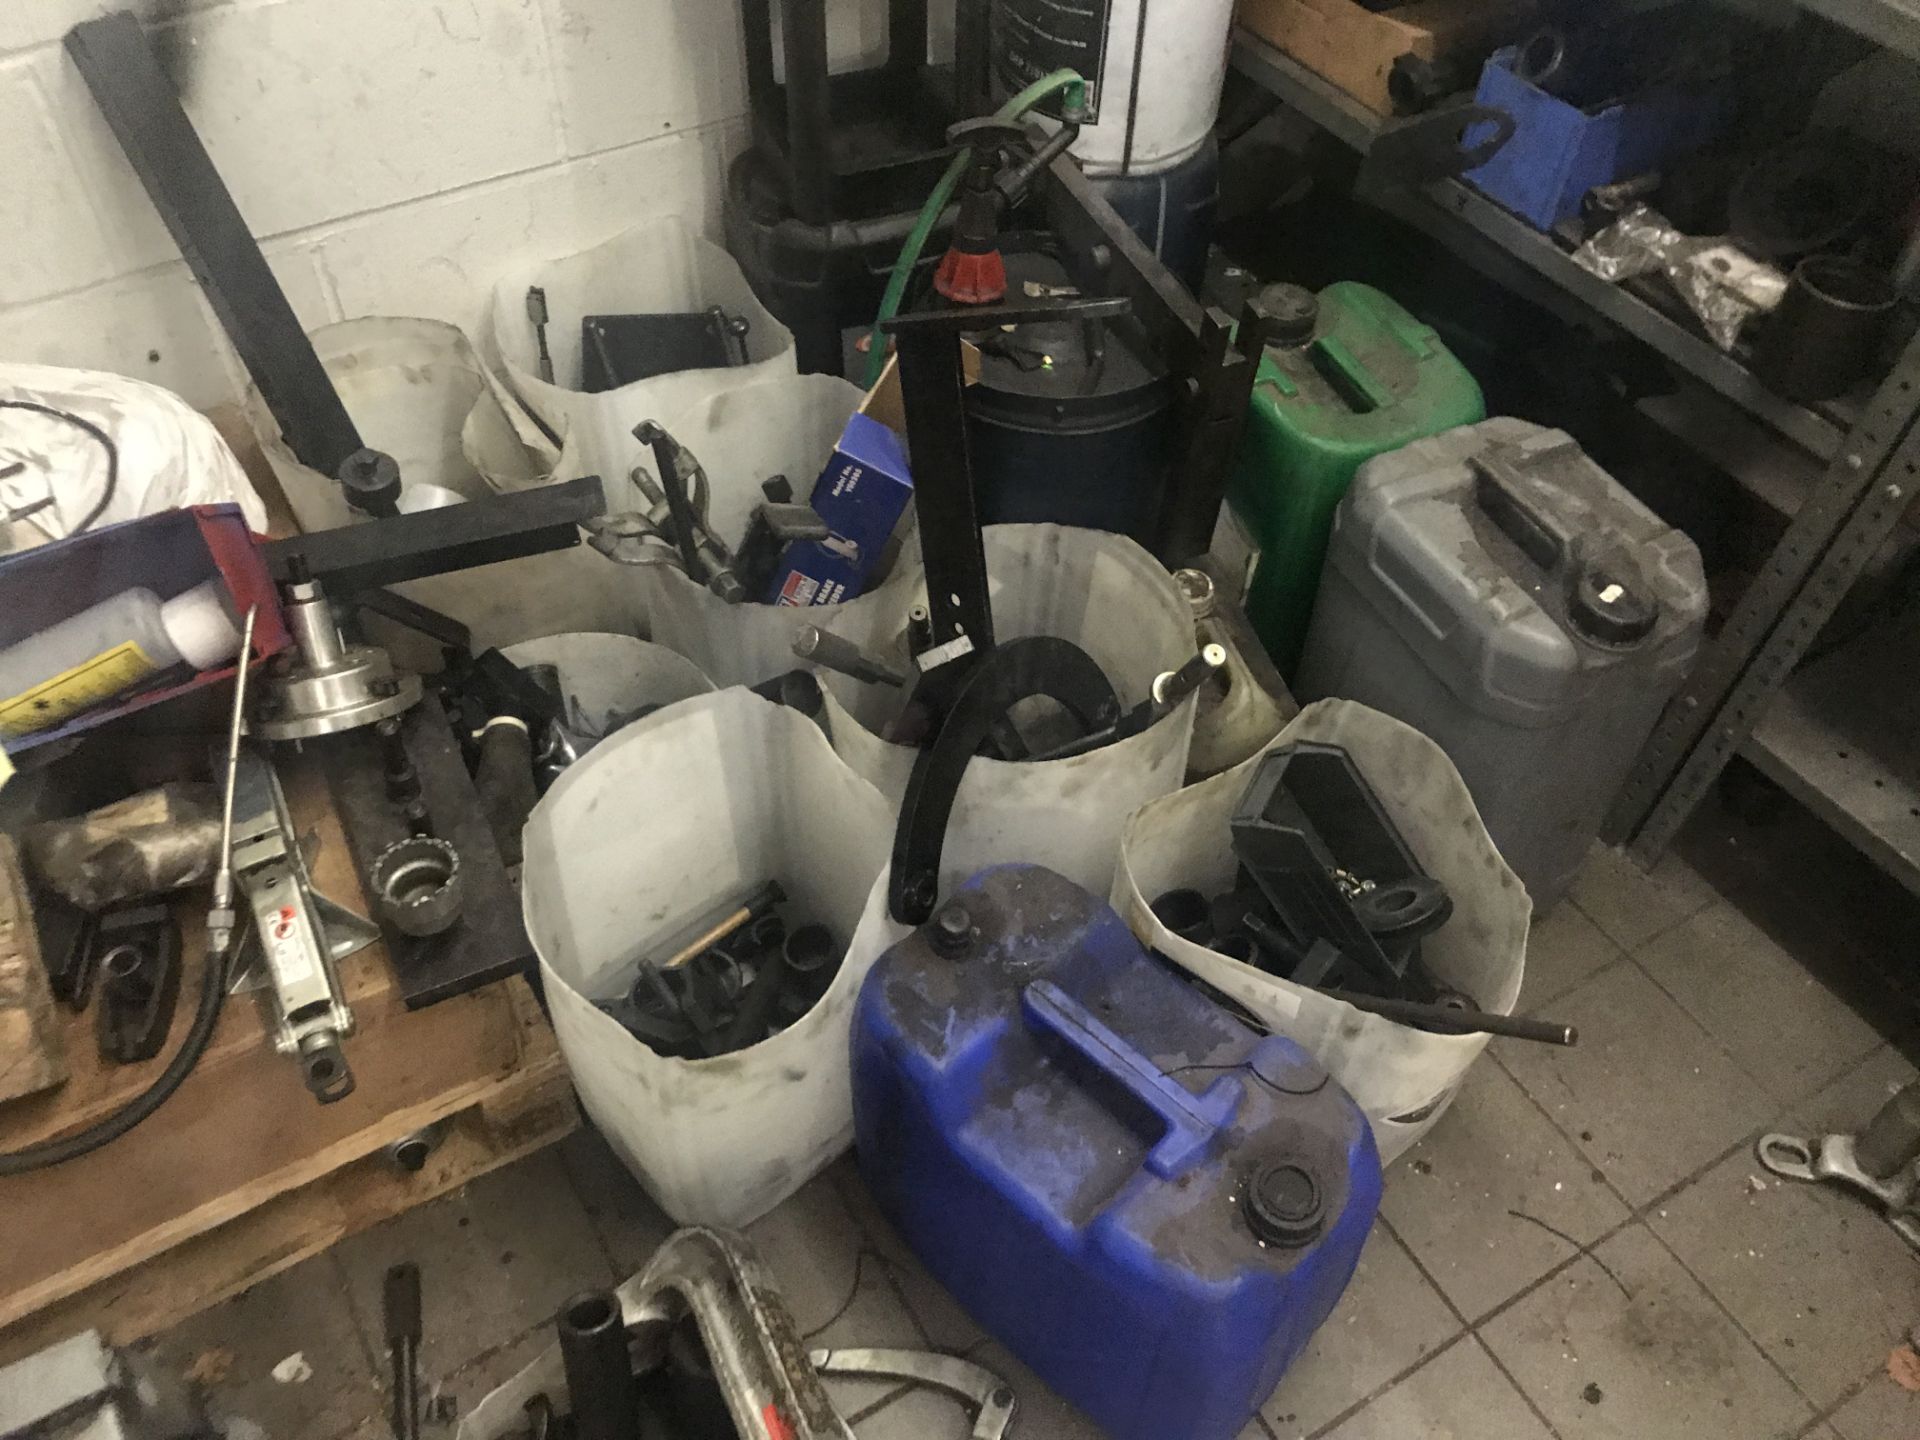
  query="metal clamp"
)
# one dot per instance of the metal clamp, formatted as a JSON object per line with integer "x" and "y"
{"x": 991, "y": 1397}
{"x": 1834, "y": 1158}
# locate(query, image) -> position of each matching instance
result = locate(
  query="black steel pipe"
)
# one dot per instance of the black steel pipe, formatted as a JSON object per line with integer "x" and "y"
{"x": 599, "y": 1366}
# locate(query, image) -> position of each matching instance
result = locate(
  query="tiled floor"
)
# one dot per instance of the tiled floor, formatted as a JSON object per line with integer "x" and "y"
{"x": 1583, "y": 1249}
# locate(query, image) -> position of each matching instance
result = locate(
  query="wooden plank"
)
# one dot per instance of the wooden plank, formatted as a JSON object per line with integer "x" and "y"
{"x": 297, "y": 1225}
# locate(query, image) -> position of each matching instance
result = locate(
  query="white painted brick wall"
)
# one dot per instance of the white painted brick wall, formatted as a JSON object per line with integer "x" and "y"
{"x": 392, "y": 155}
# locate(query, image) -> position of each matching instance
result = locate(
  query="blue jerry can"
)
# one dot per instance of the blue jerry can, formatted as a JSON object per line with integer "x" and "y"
{"x": 1149, "y": 1202}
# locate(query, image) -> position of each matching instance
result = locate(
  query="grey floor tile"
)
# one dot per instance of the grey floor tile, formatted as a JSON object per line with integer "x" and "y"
{"x": 1633, "y": 905}
{"x": 234, "y": 1347}
{"x": 1846, "y": 1105}
{"x": 1625, "y": 1345}
{"x": 1563, "y": 948}
{"x": 1647, "y": 1094}
{"x": 1881, "y": 1411}
{"x": 945, "y": 1324}
{"x": 1387, "y": 1321}
{"x": 1816, "y": 1277}
{"x": 834, "y": 1283}
{"x": 497, "y": 1258}
{"x": 629, "y": 1225}
{"x": 1785, "y": 1028}
{"x": 1460, "y": 1394}
{"x": 1494, "y": 1197}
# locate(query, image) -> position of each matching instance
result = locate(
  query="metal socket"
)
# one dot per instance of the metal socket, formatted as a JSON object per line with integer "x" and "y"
{"x": 417, "y": 881}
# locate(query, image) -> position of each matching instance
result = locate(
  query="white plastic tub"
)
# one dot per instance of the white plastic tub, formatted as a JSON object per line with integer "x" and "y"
{"x": 651, "y": 269}
{"x": 1107, "y": 595}
{"x": 668, "y": 818}
{"x": 1403, "y": 1078}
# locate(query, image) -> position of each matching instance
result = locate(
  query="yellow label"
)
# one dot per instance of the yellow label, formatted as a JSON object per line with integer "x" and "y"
{"x": 54, "y": 702}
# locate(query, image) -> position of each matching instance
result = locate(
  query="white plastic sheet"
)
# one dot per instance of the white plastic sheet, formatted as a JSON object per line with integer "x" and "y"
{"x": 655, "y": 827}
{"x": 612, "y": 675}
{"x": 416, "y": 390}
{"x": 167, "y": 455}
{"x": 1113, "y": 599}
{"x": 1403, "y": 1079}
{"x": 650, "y": 269}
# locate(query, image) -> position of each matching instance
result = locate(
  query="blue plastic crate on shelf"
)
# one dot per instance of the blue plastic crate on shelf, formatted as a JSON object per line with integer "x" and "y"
{"x": 1560, "y": 151}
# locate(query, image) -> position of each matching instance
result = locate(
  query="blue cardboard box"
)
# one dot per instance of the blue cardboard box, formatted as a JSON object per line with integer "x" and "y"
{"x": 861, "y": 494}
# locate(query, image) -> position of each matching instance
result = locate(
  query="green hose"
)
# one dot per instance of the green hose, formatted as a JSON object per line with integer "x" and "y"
{"x": 937, "y": 202}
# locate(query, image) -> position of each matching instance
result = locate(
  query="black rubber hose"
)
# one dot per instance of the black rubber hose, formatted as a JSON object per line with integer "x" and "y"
{"x": 106, "y": 443}
{"x": 213, "y": 992}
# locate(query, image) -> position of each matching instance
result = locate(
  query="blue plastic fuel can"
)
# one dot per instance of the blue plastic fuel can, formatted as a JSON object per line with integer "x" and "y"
{"x": 1149, "y": 1202}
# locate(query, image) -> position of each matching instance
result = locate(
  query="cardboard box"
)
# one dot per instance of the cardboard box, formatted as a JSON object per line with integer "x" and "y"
{"x": 861, "y": 494}
{"x": 1355, "y": 47}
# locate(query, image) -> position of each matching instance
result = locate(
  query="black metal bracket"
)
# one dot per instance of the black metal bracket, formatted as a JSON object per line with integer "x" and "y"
{"x": 1018, "y": 670}
{"x": 144, "y": 113}
{"x": 434, "y": 542}
{"x": 932, "y": 389}
{"x": 1214, "y": 359}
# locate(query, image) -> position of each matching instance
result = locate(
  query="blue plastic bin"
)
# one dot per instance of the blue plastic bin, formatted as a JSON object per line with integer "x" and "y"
{"x": 1150, "y": 1203}
{"x": 1559, "y": 152}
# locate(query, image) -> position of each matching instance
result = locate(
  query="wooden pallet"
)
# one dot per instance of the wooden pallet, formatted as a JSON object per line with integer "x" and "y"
{"x": 241, "y": 1173}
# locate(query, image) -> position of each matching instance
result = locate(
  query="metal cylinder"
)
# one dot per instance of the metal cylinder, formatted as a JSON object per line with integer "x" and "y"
{"x": 599, "y": 1366}
{"x": 1891, "y": 1141}
{"x": 314, "y": 631}
{"x": 1825, "y": 337}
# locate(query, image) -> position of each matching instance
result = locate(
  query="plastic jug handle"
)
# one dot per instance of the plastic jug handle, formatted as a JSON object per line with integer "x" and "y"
{"x": 1501, "y": 489}
{"x": 1192, "y": 1120}
{"x": 1352, "y": 380}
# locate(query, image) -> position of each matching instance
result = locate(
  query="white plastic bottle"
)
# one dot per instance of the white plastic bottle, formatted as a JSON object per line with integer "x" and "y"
{"x": 87, "y": 659}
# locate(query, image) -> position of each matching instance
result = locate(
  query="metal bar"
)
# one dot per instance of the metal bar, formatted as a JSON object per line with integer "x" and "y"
{"x": 143, "y": 112}
{"x": 906, "y": 37}
{"x": 803, "y": 38}
{"x": 932, "y": 393}
{"x": 434, "y": 542}
{"x": 1216, "y": 420}
{"x": 1772, "y": 666}
{"x": 1855, "y": 500}
{"x": 756, "y": 21}
{"x": 1197, "y": 342}
{"x": 932, "y": 390}
{"x": 1092, "y": 231}
{"x": 972, "y": 62}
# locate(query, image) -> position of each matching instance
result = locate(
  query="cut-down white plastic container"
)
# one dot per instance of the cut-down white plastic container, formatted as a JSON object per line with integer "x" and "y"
{"x": 1115, "y": 601}
{"x": 658, "y": 825}
{"x": 651, "y": 269}
{"x": 1403, "y": 1078}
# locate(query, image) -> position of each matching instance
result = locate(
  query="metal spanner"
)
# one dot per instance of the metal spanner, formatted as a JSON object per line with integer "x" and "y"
{"x": 1888, "y": 1145}
{"x": 990, "y": 1396}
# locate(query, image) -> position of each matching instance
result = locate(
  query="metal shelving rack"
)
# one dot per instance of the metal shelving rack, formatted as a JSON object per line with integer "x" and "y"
{"x": 1842, "y": 733}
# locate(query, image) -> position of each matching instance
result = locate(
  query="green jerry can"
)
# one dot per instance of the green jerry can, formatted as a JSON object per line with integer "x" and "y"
{"x": 1348, "y": 374}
